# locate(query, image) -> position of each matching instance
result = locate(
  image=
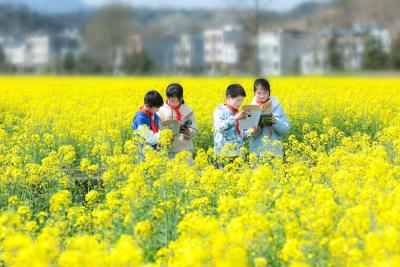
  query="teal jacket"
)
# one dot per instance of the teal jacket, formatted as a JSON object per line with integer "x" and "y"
{"x": 274, "y": 133}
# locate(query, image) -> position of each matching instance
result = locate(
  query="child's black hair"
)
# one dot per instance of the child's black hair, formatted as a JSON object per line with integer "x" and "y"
{"x": 175, "y": 90}
{"x": 263, "y": 83}
{"x": 235, "y": 90}
{"x": 153, "y": 99}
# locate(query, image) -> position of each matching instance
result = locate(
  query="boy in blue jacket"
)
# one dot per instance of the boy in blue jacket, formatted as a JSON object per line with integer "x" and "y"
{"x": 228, "y": 137}
{"x": 146, "y": 121}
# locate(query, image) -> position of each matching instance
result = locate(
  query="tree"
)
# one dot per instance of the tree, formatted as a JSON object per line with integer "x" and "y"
{"x": 335, "y": 58}
{"x": 2, "y": 56}
{"x": 297, "y": 66}
{"x": 395, "y": 53}
{"x": 374, "y": 57}
{"x": 4, "y": 66}
{"x": 138, "y": 63}
{"x": 69, "y": 62}
{"x": 89, "y": 65}
{"x": 249, "y": 13}
{"x": 106, "y": 35}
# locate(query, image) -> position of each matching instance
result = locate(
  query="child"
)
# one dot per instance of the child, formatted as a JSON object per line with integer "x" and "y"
{"x": 146, "y": 121}
{"x": 175, "y": 108}
{"x": 274, "y": 127}
{"x": 226, "y": 122}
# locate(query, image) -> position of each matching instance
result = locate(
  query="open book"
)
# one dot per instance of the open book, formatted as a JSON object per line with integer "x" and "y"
{"x": 251, "y": 121}
{"x": 267, "y": 107}
{"x": 175, "y": 125}
{"x": 257, "y": 117}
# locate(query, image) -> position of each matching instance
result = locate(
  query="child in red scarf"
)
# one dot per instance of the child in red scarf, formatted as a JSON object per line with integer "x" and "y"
{"x": 273, "y": 123}
{"x": 226, "y": 121}
{"x": 175, "y": 108}
{"x": 146, "y": 121}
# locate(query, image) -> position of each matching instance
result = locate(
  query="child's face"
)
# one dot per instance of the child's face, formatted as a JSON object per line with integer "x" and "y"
{"x": 174, "y": 102}
{"x": 235, "y": 102}
{"x": 153, "y": 110}
{"x": 261, "y": 93}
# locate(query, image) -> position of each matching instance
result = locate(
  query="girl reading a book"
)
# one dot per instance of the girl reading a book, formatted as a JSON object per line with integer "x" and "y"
{"x": 175, "y": 113}
{"x": 273, "y": 124}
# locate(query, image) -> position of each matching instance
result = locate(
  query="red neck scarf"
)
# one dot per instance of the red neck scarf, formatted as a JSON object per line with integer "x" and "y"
{"x": 262, "y": 102}
{"x": 177, "y": 111}
{"x": 153, "y": 124}
{"x": 235, "y": 111}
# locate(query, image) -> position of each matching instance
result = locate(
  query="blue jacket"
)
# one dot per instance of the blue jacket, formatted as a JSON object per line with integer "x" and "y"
{"x": 278, "y": 130}
{"x": 225, "y": 132}
{"x": 141, "y": 119}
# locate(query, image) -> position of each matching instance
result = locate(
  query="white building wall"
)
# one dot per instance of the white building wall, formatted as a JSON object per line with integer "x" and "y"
{"x": 38, "y": 51}
{"x": 269, "y": 53}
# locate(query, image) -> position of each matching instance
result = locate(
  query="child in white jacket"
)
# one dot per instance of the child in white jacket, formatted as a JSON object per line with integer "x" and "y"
{"x": 175, "y": 108}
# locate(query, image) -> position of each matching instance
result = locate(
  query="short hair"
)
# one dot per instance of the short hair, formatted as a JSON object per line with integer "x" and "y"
{"x": 235, "y": 90}
{"x": 175, "y": 90}
{"x": 263, "y": 83}
{"x": 153, "y": 99}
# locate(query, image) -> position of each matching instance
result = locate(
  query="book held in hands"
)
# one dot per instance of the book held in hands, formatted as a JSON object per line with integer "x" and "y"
{"x": 252, "y": 119}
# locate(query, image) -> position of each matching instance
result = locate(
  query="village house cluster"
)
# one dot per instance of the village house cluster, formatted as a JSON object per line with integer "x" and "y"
{"x": 279, "y": 51}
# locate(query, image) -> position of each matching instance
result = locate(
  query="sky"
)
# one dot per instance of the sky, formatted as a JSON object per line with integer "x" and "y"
{"x": 277, "y": 5}
{"x": 60, "y": 6}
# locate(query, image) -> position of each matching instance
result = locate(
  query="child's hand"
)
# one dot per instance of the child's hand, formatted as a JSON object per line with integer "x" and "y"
{"x": 185, "y": 131}
{"x": 241, "y": 115}
{"x": 266, "y": 121}
{"x": 270, "y": 121}
{"x": 251, "y": 132}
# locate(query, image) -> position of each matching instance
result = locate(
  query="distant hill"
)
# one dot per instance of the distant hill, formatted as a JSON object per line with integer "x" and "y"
{"x": 344, "y": 13}
{"x": 18, "y": 18}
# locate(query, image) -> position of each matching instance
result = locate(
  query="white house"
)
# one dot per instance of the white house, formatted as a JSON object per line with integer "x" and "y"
{"x": 222, "y": 47}
{"x": 384, "y": 36}
{"x": 33, "y": 52}
{"x": 314, "y": 61}
{"x": 15, "y": 53}
{"x": 280, "y": 51}
{"x": 189, "y": 52}
{"x": 269, "y": 53}
{"x": 37, "y": 51}
{"x": 351, "y": 42}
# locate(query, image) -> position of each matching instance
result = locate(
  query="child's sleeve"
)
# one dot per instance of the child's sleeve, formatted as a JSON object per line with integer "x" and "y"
{"x": 149, "y": 137}
{"x": 222, "y": 122}
{"x": 245, "y": 135}
{"x": 137, "y": 121}
{"x": 281, "y": 125}
{"x": 193, "y": 127}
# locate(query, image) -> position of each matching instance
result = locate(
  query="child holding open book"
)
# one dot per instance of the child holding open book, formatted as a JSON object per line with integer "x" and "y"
{"x": 228, "y": 135}
{"x": 273, "y": 121}
{"x": 176, "y": 114}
